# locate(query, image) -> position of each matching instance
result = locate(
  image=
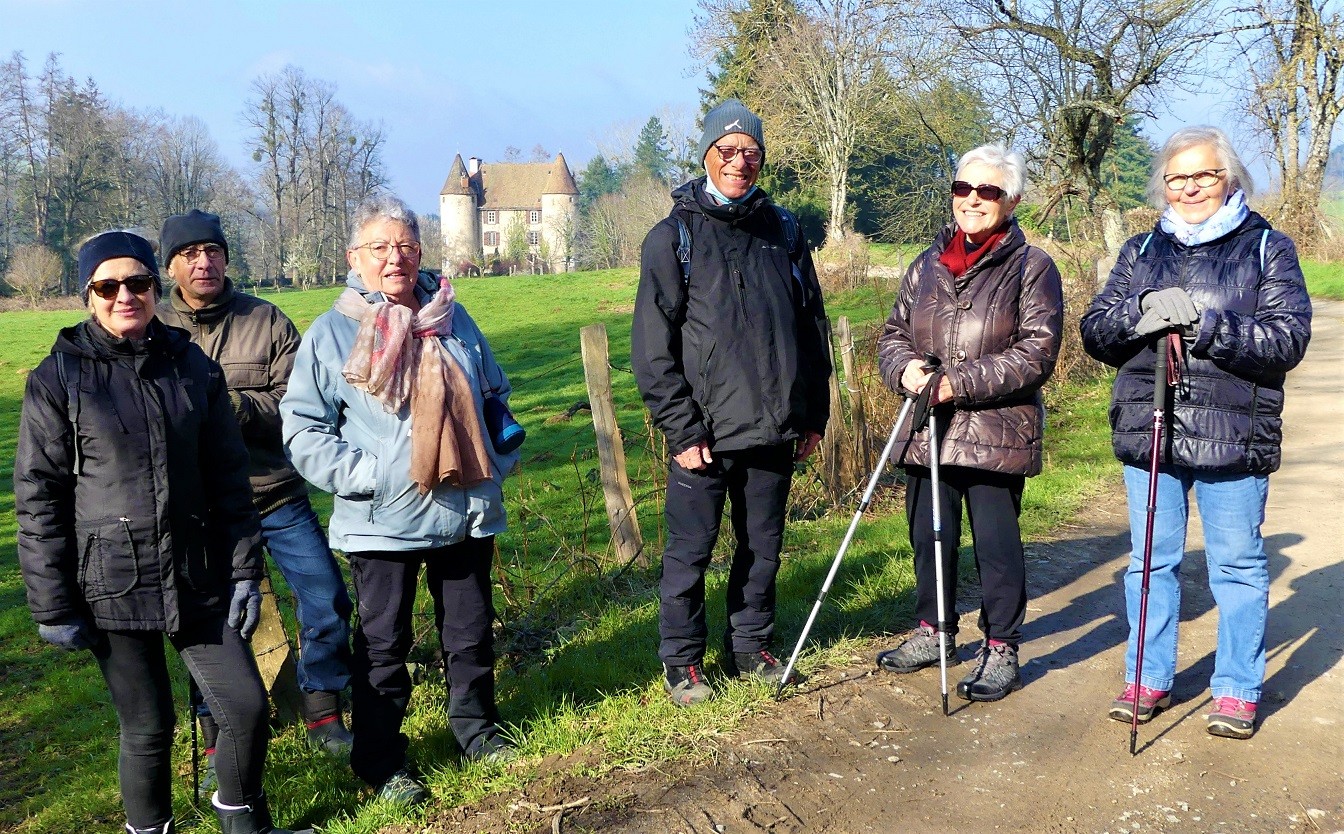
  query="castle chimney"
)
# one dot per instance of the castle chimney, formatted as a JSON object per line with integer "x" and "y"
{"x": 473, "y": 166}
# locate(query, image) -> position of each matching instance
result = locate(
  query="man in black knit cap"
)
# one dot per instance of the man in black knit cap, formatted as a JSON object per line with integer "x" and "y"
{"x": 255, "y": 344}
{"x": 730, "y": 353}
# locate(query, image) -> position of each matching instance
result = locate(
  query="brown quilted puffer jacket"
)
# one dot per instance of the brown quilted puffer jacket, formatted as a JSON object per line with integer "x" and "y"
{"x": 997, "y": 331}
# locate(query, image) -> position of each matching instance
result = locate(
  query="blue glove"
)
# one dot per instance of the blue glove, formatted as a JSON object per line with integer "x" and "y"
{"x": 245, "y": 607}
{"x": 71, "y": 635}
{"x": 1173, "y": 304}
{"x": 1152, "y": 322}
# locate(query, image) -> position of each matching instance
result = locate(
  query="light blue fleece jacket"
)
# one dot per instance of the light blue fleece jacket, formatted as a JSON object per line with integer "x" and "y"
{"x": 341, "y": 440}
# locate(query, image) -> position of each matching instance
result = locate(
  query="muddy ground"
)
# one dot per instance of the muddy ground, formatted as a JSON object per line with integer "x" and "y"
{"x": 861, "y": 751}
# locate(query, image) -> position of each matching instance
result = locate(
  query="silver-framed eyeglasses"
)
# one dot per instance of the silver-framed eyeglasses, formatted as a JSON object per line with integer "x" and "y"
{"x": 382, "y": 249}
{"x": 1204, "y": 179}
{"x": 213, "y": 251}
{"x": 728, "y": 153}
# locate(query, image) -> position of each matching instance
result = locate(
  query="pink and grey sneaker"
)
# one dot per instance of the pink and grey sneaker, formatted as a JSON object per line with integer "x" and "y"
{"x": 1232, "y": 718}
{"x": 1151, "y": 702}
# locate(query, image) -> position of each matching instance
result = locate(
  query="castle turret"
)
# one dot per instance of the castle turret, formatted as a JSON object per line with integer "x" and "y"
{"x": 458, "y": 218}
{"x": 559, "y": 214}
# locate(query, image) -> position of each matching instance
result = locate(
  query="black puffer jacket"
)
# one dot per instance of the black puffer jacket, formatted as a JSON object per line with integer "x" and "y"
{"x": 1254, "y": 327}
{"x": 740, "y": 357}
{"x": 158, "y": 520}
{"x": 997, "y": 330}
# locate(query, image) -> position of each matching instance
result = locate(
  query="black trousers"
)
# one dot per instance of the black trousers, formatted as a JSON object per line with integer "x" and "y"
{"x": 134, "y": 665}
{"x": 993, "y": 503}
{"x": 756, "y": 482}
{"x": 385, "y": 583}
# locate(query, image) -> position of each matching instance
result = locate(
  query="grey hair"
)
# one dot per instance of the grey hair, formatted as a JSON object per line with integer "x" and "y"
{"x": 1190, "y": 137}
{"x": 1009, "y": 163}
{"x": 382, "y": 207}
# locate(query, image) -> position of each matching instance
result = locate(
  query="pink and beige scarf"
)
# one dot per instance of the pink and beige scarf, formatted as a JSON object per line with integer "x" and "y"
{"x": 398, "y": 358}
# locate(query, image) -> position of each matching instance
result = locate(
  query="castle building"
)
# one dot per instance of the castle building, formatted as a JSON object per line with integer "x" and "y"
{"x": 482, "y": 203}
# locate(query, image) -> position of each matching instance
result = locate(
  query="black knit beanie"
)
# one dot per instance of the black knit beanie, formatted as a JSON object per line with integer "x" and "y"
{"x": 109, "y": 245}
{"x": 730, "y": 116}
{"x": 196, "y": 226}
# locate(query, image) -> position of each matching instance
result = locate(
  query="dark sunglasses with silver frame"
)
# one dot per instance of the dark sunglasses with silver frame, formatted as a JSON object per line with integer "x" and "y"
{"x": 992, "y": 193}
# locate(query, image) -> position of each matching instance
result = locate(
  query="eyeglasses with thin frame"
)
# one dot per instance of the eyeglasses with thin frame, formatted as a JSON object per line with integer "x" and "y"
{"x": 1207, "y": 178}
{"x": 992, "y": 193}
{"x": 727, "y": 153}
{"x": 213, "y": 251}
{"x": 382, "y": 250}
{"x": 108, "y": 288}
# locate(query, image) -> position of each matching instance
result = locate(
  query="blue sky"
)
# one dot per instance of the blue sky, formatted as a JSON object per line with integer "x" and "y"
{"x": 443, "y": 77}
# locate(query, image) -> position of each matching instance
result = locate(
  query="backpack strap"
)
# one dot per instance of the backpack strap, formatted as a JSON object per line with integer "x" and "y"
{"x": 72, "y": 401}
{"x": 684, "y": 251}
{"x": 1145, "y": 244}
{"x": 1264, "y": 238}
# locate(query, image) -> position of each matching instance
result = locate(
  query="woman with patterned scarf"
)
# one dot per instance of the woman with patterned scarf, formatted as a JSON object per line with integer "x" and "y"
{"x": 1214, "y": 272}
{"x": 385, "y": 409}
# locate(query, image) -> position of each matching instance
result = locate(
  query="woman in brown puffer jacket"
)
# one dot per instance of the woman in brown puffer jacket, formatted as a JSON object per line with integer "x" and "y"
{"x": 990, "y": 308}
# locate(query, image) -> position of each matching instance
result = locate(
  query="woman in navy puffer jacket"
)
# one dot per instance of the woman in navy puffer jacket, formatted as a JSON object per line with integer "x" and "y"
{"x": 1215, "y": 272}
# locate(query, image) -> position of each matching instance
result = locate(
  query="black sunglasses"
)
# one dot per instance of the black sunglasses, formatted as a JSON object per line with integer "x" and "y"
{"x": 992, "y": 193}
{"x": 108, "y": 288}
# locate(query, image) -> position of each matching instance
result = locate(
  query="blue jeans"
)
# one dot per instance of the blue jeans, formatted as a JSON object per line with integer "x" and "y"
{"x": 1232, "y": 508}
{"x": 299, "y": 548}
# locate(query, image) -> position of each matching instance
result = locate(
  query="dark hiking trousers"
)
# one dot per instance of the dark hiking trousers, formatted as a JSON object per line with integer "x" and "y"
{"x": 458, "y": 577}
{"x": 993, "y": 504}
{"x": 756, "y": 483}
{"x": 135, "y": 667}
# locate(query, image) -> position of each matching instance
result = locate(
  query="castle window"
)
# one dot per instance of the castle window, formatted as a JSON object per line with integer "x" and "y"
{"x": 491, "y": 238}
{"x": 492, "y": 217}
{"x": 533, "y": 238}
{"x": 534, "y": 216}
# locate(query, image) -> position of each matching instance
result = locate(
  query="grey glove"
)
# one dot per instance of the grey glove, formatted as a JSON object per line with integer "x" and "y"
{"x": 1152, "y": 322}
{"x": 245, "y": 607}
{"x": 1173, "y": 304}
{"x": 71, "y": 635}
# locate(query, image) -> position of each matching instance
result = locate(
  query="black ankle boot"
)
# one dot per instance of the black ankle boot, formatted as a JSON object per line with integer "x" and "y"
{"x": 161, "y": 828}
{"x": 326, "y": 728}
{"x": 251, "y": 819}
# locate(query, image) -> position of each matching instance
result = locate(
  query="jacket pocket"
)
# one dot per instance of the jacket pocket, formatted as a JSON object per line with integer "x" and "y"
{"x": 109, "y": 565}
{"x": 247, "y": 376}
{"x": 196, "y": 562}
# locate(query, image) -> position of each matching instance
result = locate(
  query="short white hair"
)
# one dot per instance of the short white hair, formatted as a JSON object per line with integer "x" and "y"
{"x": 1011, "y": 164}
{"x": 382, "y": 207}
{"x": 1190, "y": 137}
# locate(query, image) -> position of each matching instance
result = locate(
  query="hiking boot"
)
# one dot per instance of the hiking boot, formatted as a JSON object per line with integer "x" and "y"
{"x": 402, "y": 788}
{"x": 251, "y": 819}
{"x": 685, "y": 685}
{"x": 760, "y": 665}
{"x": 327, "y": 732}
{"x": 209, "y": 779}
{"x": 1151, "y": 702}
{"x": 994, "y": 676}
{"x": 1231, "y": 718}
{"x": 918, "y": 651}
{"x": 162, "y": 828}
{"x": 496, "y": 750}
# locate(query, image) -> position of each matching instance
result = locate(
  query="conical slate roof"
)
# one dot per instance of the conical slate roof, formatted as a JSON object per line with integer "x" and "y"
{"x": 560, "y": 181}
{"x": 457, "y": 178}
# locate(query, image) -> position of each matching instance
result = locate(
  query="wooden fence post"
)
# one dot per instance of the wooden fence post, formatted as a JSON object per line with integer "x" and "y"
{"x": 275, "y": 656}
{"x": 620, "y": 503}
{"x": 833, "y": 443}
{"x": 863, "y": 455}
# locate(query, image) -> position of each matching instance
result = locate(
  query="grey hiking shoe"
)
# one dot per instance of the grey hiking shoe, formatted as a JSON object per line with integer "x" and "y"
{"x": 209, "y": 779}
{"x": 918, "y": 651}
{"x": 685, "y": 685}
{"x": 993, "y": 677}
{"x": 758, "y": 664}
{"x": 402, "y": 788}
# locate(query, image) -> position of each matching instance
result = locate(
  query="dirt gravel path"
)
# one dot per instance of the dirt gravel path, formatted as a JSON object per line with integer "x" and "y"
{"x": 862, "y": 751}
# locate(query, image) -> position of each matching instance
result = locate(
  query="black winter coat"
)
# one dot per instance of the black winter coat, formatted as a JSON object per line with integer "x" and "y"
{"x": 740, "y": 356}
{"x": 1254, "y": 327}
{"x": 997, "y": 330}
{"x": 158, "y": 520}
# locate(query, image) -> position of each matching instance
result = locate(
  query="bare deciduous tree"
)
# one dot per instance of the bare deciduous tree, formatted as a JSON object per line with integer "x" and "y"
{"x": 34, "y": 271}
{"x": 1294, "y": 52}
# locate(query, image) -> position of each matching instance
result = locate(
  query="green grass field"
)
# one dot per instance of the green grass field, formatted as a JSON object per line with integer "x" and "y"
{"x": 578, "y": 668}
{"x": 1324, "y": 279}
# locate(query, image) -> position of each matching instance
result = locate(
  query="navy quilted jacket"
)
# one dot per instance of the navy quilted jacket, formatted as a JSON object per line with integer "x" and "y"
{"x": 1226, "y": 412}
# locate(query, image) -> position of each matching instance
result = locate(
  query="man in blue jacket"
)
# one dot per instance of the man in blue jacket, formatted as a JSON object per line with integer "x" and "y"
{"x": 730, "y": 351}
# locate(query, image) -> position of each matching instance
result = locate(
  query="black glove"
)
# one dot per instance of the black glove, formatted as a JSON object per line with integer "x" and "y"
{"x": 245, "y": 607}
{"x": 71, "y": 635}
{"x": 1173, "y": 304}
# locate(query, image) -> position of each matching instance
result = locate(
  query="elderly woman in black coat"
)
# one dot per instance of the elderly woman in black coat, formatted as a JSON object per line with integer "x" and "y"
{"x": 136, "y": 523}
{"x": 1215, "y": 278}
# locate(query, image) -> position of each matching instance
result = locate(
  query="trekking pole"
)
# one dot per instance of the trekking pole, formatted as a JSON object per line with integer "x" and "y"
{"x": 1155, "y": 455}
{"x": 932, "y": 363}
{"x": 193, "y": 703}
{"x": 844, "y": 545}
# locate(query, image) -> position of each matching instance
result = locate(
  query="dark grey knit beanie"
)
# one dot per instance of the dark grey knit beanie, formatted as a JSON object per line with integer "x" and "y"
{"x": 730, "y": 116}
